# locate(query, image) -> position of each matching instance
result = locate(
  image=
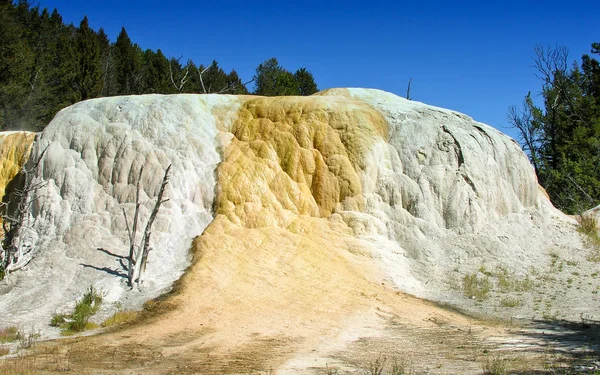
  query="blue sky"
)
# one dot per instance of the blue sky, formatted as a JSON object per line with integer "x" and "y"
{"x": 473, "y": 57}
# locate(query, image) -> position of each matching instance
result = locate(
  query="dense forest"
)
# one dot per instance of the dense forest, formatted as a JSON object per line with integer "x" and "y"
{"x": 562, "y": 135}
{"x": 46, "y": 65}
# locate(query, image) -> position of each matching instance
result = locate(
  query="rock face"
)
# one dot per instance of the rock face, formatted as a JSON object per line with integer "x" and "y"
{"x": 347, "y": 187}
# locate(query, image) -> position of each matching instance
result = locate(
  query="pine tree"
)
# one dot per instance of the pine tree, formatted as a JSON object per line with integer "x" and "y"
{"x": 272, "y": 80}
{"x": 306, "y": 82}
{"x": 128, "y": 65}
{"x": 562, "y": 139}
{"x": 89, "y": 72}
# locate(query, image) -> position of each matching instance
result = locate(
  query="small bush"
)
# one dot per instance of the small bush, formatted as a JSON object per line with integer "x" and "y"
{"x": 57, "y": 320}
{"x": 79, "y": 320}
{"x": 9, "y": 334}
{"x": 475, "y": 286}
{"x": 4, "y": 351}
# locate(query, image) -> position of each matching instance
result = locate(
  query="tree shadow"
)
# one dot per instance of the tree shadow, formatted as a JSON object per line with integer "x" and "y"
{"x": 105, "y": 269}
{"x": 570, "y": 346}
{"x": 111, "y": 254}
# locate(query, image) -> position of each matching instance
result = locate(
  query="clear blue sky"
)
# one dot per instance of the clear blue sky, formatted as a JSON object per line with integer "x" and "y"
{"x": 473, "y": 57}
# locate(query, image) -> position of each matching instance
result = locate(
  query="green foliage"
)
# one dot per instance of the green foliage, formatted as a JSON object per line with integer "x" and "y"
{"x": 476, "y": 286}
{"x": 305, "y": 82}
{"x": 562, "y": 137}
{"x": 78, "y": 320}
{"x": 273, "y": 80}
{"x": 58, "y": 320}
{"x": 46, "y": 65}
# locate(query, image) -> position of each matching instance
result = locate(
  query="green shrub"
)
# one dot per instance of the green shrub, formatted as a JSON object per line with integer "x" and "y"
{"x": 57, "y": 320}
{"x": 475, "y": 286}
{"x": 79, "y": 320}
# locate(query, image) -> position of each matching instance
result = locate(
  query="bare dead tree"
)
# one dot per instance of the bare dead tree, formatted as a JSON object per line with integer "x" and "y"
{"x": 15, "y": 214}
{"x": 408, "y": 90}
{"x": 145, "y": 243}
{"x": 530, "y": 133}
{"x": 549, "y": 62}
{"x": 233, "y": 86}
{"x": 132, "y": 232}
{"x": 33, "y": 82}
{"x": 180, "y": 81}
{"x": 200, "y": 73}
{"x": 227, "y": 88}
{"x": 138, "y": 255}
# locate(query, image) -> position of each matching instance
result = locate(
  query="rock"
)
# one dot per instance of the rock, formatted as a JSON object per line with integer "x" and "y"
{"x": 396, "y": 187}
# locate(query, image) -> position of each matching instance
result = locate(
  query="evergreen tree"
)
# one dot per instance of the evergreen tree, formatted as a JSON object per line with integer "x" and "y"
{"x": 127, "y": 65}
{"x": 562, "y": 139}
{"x": 306, "y": 82}
{"x": 156, "y": 79}
{"x": 272, "y": 80}
{"x": 46, "y": 65}
{"x": 235, "y": 84}
{"x": 89, "y": 53}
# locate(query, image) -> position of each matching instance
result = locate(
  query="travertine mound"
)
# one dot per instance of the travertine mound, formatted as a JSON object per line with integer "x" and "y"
{"x": 289, "y": 202}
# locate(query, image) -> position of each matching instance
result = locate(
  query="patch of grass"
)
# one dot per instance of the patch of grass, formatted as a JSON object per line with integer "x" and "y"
{"x": 494, "y": 366}
{"x": 556, "y": 264}
{"x": 401, "y": 366}
{"x": 4, "y": 351}
{"x": 9, "y": 334}
{"x": 78, "y": 320}
{"x": 476, "y": 286}
{"x": 588, "y": 225}
{"x": 376, "y": 366}
{"x": 510, "y": 302}
{"x": 509, "y": 282}
{"x": 121, "y": 317}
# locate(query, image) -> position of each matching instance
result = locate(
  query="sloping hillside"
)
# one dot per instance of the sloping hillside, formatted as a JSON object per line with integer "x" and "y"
{"x": 301, "y": 221}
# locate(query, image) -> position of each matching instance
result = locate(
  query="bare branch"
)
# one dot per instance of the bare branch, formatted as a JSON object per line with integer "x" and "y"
{"x": 179, "y": 85}
{"x": 145, "y": 244}
{"x": 200, "y": 73}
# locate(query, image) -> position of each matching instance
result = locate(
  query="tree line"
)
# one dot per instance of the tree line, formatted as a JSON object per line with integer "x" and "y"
{"x": 562, "y": 135}
{"x": 46, "y": 65}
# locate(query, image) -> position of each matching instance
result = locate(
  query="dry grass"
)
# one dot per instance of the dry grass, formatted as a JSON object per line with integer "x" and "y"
{"x": 4, "y": 351}
{"x": 9, "y": 334}
{"x": 397, "y": 366}
{"x": 588, "y": 225}
{"x": 510, "y": 302}
{"x": 121, "y": 317}
{"x": 494, "y": 366}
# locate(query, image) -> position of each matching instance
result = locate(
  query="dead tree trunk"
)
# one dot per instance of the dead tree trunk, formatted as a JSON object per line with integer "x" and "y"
{"x": 145, "y": 243}
{"x": 138, "y": 255}
{"x": 14, "y": 216}
{"x": 133, "y": 231}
